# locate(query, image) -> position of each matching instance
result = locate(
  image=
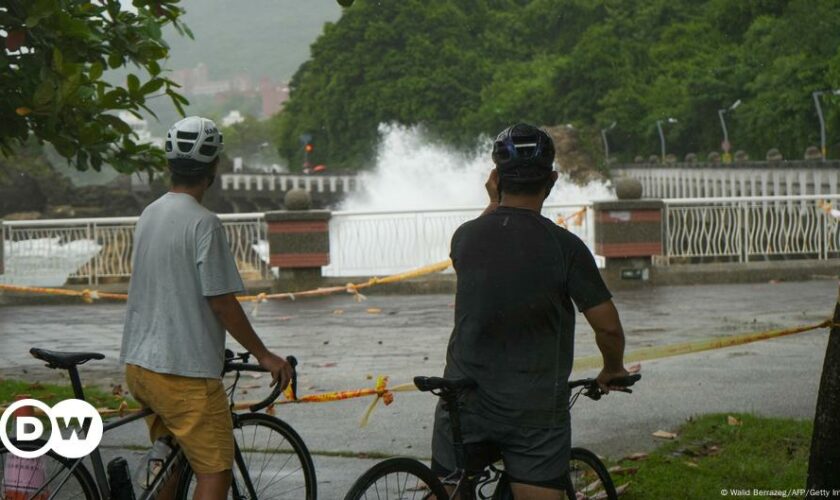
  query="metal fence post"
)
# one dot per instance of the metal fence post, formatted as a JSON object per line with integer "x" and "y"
{"x": 666, "y": 229}
{"x": 745, "y": 227}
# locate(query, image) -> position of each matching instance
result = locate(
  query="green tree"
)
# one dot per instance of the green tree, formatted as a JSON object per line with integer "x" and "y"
{"x": 464, "y": 69}
{"x": 52, "y": 86}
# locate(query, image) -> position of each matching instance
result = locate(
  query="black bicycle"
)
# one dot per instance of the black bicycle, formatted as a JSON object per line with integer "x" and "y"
{"x": 271, "y": 460}
{"x": 403, "y": 478}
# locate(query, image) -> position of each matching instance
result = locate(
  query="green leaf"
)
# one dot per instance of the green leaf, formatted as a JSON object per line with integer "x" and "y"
{"x": 153, "y": 67}
{"x": 95, "y": 72}
{"x": 133, "y": 84}
{"x": 58, "y": 60}
{"x": 44, "y": 94}
{"x": 115, "y": 60}
{"x": 151, "y": 86}
{"x": 39, "y": 10}
{"x": 115, "y": 122}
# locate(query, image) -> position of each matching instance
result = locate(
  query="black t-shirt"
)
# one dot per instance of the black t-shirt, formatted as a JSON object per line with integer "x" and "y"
{"x": 518, "y": 274}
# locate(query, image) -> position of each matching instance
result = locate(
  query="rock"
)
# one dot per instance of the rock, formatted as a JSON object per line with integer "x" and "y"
{"x": 774, "y": 154}
{"x": 627, "y": 188}
{"x": 691, "y": 158}
{"x": 653, "y": 159}
{"x": 741, "y": 156}
{"x": 297, "y": 199}
{"x": 670, "y": 158}
{"x": 714, "y": 157}
{"x": 639, "y": 159}
{"x": 813, "y": 153}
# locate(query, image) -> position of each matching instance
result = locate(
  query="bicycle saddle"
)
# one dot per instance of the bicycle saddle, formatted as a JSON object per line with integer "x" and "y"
{"x": 64, "y": 360}
{"x": 426, "y": 384}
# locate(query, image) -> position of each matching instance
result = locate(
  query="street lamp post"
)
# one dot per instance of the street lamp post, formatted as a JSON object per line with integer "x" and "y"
{"x": 662, "y": 135}
{"x": 607, "y": 144}
{"x": 816, "y": 95}
{"x": 725, "y": 144}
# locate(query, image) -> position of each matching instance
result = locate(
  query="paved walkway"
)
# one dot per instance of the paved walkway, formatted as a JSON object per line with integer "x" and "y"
{"x": 340, "y": 344}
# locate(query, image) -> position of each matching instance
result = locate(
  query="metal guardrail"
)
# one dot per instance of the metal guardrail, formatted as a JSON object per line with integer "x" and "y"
{"x": 664, "y": 182}
{"x": 749, "y": 229}
{"x": 388, "y": 242}
{"x": 49, "y": 252}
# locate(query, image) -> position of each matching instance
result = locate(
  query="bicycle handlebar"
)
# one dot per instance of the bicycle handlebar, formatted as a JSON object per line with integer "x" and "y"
{"x": 231, "y": 366}
{"x": 593, "y": 391}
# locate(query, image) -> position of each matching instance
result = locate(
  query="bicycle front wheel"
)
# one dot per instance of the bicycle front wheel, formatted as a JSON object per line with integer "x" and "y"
{"x": 588, "y": 476}
{"x": 272, "y": 462}
{"x": 48, "y": 476}
{"x": 398, "y": 479}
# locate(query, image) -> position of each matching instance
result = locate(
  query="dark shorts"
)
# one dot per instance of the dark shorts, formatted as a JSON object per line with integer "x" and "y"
{"x": 537, "y": 456}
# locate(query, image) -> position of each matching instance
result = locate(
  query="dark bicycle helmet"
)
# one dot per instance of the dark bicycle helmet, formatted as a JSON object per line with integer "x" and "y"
{"x": 523, "y": 153}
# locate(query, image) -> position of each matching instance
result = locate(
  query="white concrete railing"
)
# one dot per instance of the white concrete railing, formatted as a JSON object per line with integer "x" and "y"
{"x": 48, "y": 252}
{"x": 381, "y": 243}
{"x": 715, "y": 182}
{"x": 750, "y": 228}
{"x": 286, "y": 182}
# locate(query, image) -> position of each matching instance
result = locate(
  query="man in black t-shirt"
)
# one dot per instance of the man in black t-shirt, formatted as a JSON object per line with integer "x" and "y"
{"x": 519, "y": 277}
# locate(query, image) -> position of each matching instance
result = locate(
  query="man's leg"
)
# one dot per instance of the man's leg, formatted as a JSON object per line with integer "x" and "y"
{"x": 213, "y": 486}
{"x": 523, "y": 491}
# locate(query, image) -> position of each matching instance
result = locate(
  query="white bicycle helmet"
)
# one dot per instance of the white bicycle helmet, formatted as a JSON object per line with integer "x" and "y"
{"x": 194, "y": 138}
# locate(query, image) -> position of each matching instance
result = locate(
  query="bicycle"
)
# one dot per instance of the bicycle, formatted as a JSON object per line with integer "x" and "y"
{"x": 267, "y": 438}
{"x": 587, "y": 477}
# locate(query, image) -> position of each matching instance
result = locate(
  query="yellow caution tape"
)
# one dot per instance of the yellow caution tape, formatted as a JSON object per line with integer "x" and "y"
{"x": 383, "y": 393}
{"x": 89, "y": 296}
{"x": 651, "y": 353}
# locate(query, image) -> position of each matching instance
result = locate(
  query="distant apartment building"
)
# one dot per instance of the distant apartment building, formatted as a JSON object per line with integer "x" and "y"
{"x": 196, "y": 82}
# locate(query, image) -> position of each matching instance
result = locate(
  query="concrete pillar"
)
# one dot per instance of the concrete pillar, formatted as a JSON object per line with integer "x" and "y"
{"x": 299, "y": 244}
{"x": 628, "y": 233}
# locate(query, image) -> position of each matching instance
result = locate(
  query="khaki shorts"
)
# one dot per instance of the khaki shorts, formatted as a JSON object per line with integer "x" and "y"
{"x": 195, "y": 411}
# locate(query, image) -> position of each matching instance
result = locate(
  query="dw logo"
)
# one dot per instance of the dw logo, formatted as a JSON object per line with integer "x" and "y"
{"x": 75, "y": 428}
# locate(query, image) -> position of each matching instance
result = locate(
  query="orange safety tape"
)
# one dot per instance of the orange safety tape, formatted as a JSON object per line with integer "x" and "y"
{"x": 576, "y": 218}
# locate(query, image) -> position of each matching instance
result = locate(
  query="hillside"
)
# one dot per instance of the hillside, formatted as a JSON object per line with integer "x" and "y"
{"x": 466, "y": 68}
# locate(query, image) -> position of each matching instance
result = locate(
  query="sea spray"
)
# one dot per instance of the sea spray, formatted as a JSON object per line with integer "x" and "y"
{"x": 414, "y": 173}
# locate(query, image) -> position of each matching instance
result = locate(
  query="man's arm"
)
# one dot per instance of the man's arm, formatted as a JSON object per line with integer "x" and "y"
{"x": 233, "y": 318}
{"x": 609, "y": 335}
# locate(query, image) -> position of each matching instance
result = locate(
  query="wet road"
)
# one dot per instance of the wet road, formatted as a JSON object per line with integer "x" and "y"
{"x": 341, "y": 344}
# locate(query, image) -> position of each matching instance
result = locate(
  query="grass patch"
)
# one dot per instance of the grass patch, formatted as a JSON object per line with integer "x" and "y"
{"x": 710, "y": 455}
{"x": 53, "y": 393}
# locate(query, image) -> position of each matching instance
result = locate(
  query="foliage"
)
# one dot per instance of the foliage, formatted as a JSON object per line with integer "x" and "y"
{"x": 52, "y": 86}
{"x": 465, "y": 69}
{"x": 710, "y": 455}
{"x": 53, "y": 393}
{"x": 251, "y": 139}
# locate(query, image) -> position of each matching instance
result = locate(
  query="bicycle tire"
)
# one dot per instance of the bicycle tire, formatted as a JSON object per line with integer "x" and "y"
{"x": 584, "y": 467}
{"x": 298, "y": 449}
{"x": 85, "y": 486}
{"x": 396, "y": 466}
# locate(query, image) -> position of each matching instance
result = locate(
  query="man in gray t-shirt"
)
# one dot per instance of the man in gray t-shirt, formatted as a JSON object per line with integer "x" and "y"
{"x": 180, "y": 302}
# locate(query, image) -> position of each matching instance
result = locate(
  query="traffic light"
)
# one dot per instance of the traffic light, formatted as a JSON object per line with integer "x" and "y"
{"x": 308, "y": 148}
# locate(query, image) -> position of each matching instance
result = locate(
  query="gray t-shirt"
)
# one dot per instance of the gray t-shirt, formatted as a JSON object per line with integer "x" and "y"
{"x": 181, "y": 256}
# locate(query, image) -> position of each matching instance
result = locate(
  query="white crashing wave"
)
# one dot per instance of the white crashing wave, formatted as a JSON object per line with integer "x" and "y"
{"x": 45, "y": 261}
{"x": 413, "y": 173}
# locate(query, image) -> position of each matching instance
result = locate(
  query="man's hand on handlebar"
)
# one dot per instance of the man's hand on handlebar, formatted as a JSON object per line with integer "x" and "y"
{"x": 606, "y": 376}
{"x": 280, "y": 369}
